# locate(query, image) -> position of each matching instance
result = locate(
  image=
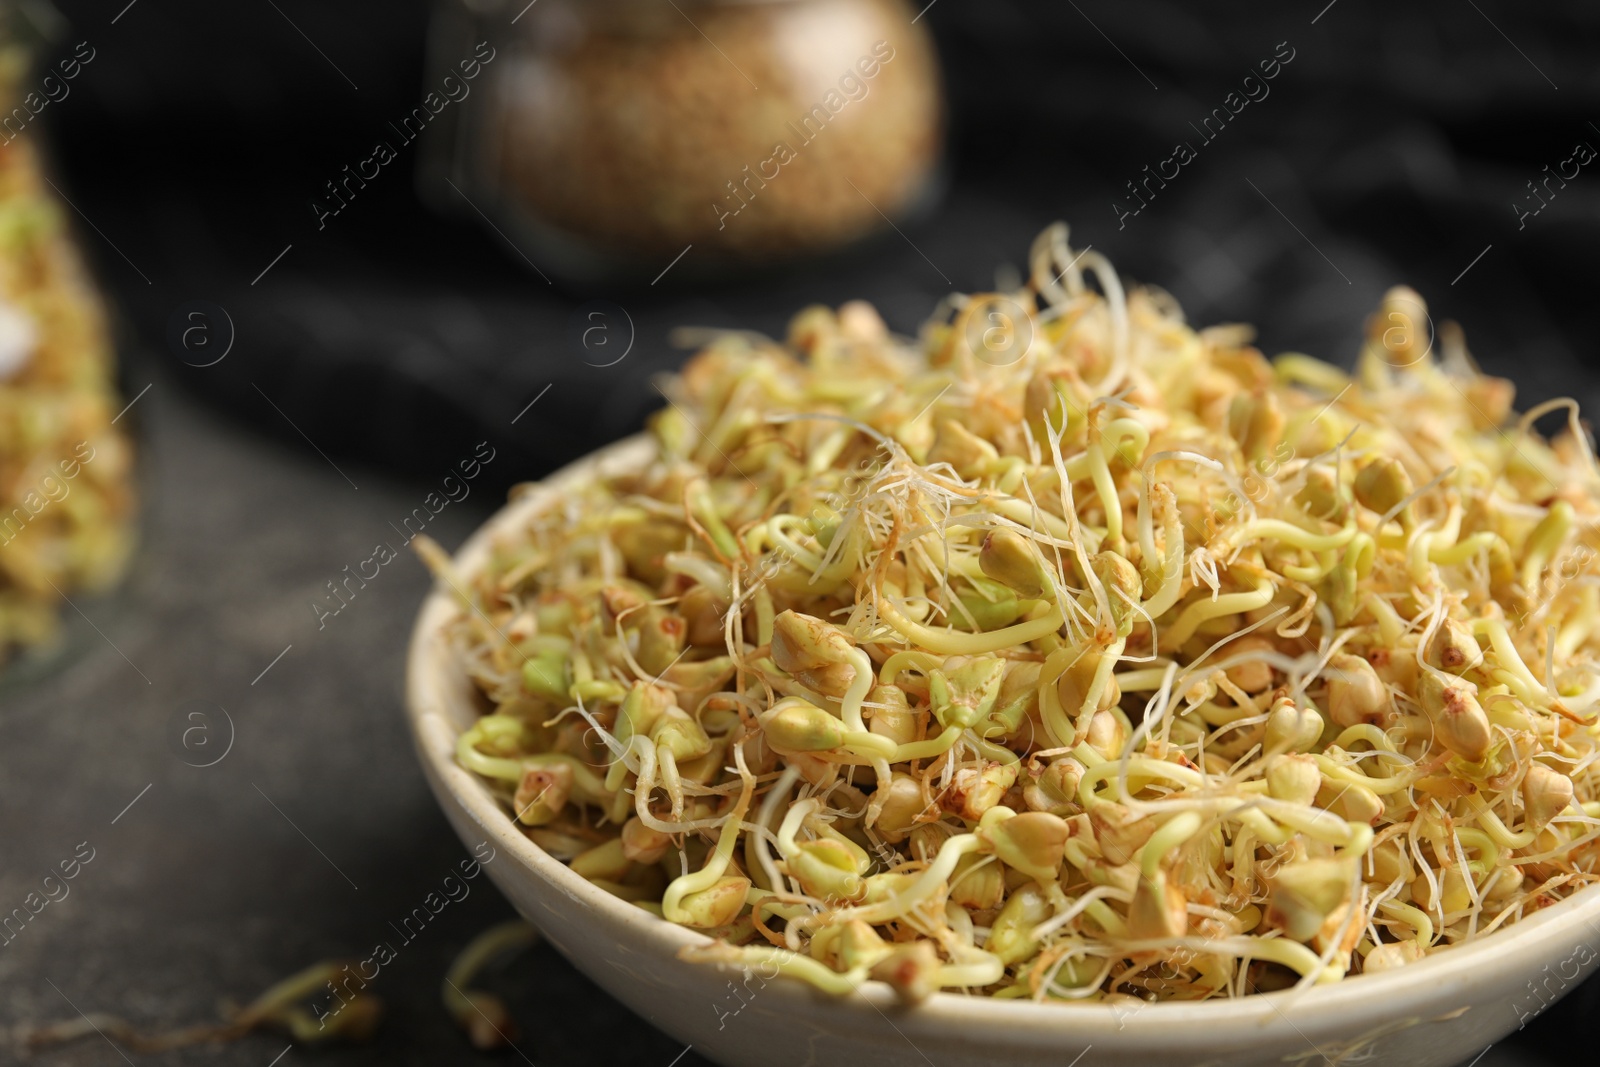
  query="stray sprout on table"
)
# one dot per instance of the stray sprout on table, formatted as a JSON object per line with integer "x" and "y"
{"x": 282, "y": 1007}
{"x": 481, "y": 1015}
{"x": 983, "y": 671}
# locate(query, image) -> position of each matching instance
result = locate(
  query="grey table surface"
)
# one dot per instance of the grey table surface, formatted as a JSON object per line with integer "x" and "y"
{"x": 316, "y": 829}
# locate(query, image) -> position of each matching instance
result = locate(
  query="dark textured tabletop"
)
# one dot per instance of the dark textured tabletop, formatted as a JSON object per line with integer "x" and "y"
{"x": 309, "y": 836}
{"x": 1389, "y": 153}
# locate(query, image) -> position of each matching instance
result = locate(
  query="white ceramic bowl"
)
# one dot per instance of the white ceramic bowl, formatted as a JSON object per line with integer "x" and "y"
{"x": 1443, "y": 1010}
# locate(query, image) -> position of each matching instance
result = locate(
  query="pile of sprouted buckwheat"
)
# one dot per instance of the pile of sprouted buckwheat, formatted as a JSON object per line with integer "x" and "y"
{"x": 1065, "y": 652}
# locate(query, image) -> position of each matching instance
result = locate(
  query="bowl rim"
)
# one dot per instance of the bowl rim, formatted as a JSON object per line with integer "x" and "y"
{"x": 1416, "y": 986}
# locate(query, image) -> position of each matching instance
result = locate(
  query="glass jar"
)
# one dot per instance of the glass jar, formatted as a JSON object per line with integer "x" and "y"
{"x": 67, "y": 481}
{"x": 614, "y": 135}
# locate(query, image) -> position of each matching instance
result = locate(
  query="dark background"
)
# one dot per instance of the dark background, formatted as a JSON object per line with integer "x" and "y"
{"x": 1396, "y": 141}
{"x": 1391, "y": 150}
